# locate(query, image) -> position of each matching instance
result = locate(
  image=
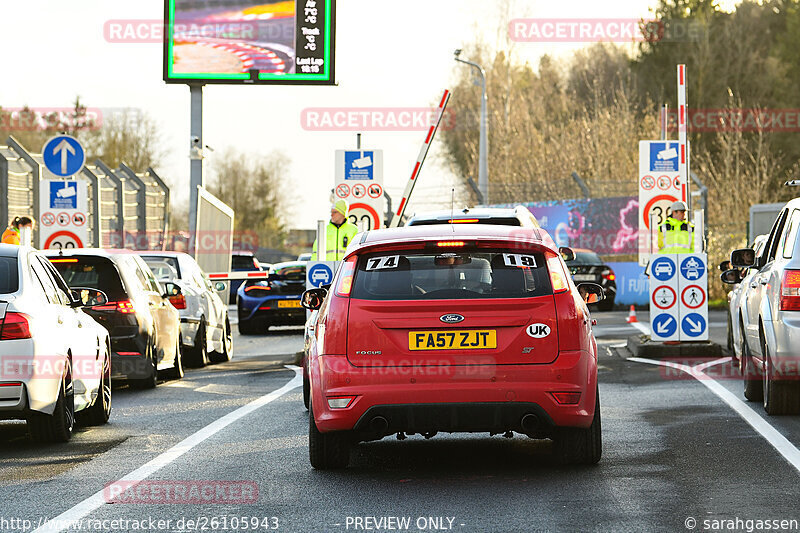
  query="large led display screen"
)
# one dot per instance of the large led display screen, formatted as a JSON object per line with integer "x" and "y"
{"x": 249, "y": 41}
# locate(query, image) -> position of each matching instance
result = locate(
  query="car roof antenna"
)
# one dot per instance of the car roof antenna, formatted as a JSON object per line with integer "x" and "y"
{"x": 452, "y": 207}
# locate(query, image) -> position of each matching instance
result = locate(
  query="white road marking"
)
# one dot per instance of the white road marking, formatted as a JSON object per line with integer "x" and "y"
{"x": 788, "y": 450}
{"x": 641, "y": 327}
{"x": 97, "y": 500}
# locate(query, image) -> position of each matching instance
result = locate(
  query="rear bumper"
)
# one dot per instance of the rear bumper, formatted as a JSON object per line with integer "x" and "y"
{"x": 267, "y": 310}
{"x": 454, "y": 398}
{"x": 786, "y": 359}
{"x": 13, "y": 401}
{"x": 189, "y": 327}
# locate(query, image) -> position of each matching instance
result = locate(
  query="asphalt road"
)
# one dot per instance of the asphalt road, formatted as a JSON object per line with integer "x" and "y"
{"x": 674, "y": 452}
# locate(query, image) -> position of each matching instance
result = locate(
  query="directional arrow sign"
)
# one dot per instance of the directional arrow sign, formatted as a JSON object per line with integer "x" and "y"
{"x": 693, "y": 325}
{"x": 63, "y": 155}
{"x": 664, "y": 326}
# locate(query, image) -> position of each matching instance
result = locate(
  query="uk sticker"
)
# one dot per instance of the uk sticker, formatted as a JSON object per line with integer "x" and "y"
{"x": 519, "y": 260}
{"x": 538, "y": 331}
{"x": 378, "y": 263}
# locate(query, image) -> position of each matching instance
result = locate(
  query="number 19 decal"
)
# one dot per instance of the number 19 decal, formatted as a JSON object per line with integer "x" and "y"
{"x": 519, "y": 260}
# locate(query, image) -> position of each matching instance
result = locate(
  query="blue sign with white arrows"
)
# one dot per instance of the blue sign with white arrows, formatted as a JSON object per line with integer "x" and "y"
{"x": 63, "y": 155}
{"x": 693, "y": 325}
{"x": 692, "y": 268}
{"x": 663, "y": 268}
{"x": 320, "y": 274}
{"x": 665, "y": 325}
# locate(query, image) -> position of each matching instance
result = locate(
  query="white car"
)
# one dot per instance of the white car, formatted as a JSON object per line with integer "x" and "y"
{"x": 735, "y": 298}
{"x": 205, "y": 326}
{"x": 55, "y": 358}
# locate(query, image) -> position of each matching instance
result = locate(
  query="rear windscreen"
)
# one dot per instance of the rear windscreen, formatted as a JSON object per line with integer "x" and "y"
{"x": 586, "y": 258}
{"x": 160, "y": 272}
{"x": 243, "y": 262}
{"x": 289, "y": 273}
{"x": 461, "y": 275}
{"x": 496, "y": 221}
{"x": 92, "y": 272}
{"x": 9, "y": 275}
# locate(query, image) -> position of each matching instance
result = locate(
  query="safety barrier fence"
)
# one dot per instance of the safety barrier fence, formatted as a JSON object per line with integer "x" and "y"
{"x": 126, "y": 208}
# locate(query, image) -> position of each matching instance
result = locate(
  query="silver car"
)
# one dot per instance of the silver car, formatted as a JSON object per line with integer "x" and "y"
{"x": 205, "y": 325}
{"x": 740, "y": 279}
{"x": 770, "y": 316}
{"x": 54, "y": 357}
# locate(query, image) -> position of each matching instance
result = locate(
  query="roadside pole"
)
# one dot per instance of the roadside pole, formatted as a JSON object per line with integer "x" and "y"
{"x": 195, "y": 157}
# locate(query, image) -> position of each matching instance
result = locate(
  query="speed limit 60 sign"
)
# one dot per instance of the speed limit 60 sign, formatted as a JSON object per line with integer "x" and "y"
{"x": 660, "y": 185}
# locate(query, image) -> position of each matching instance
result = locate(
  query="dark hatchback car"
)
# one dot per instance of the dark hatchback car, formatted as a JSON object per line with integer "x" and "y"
{"x": 589, "y": 267}
{"x": 274, "y": 301}
{"x": 143, "y": 325}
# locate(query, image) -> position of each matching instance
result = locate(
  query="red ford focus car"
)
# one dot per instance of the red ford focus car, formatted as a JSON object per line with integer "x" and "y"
{"x": 482, "y": 330}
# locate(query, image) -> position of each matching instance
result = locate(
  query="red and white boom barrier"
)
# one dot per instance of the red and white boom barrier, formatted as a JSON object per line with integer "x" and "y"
{"x": 683, "y": 127}
{"x": 225, "y": 276}
{"x": 420, "y": 159}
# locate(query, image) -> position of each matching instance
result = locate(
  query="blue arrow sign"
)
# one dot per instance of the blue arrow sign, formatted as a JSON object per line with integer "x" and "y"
{"x": 663, "y": 268}
{"x": 692, "y": 268}
{"x": 665, "y": 325}
{"x": 319, "y": 275}
{"x": 693, "y": 325}
{"x": 63, "y": 155}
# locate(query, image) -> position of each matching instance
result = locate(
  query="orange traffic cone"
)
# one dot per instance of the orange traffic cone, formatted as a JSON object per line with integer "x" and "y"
{"x": 632, "y": 315}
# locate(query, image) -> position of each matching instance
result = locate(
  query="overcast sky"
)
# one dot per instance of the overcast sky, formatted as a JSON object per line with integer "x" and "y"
{"x": 389, "y": 53}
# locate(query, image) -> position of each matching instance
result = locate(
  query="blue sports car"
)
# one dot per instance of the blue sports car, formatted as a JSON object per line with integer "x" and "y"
{"x": 274, "y": 301}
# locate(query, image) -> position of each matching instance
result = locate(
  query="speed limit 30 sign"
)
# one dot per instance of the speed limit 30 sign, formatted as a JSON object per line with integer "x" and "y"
{"x": 660, "y": 186}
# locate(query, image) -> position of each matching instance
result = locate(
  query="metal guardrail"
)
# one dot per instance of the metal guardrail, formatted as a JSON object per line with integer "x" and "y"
{"x": 127, "y": 209}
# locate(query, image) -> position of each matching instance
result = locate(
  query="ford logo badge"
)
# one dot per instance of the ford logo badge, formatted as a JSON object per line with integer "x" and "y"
{"x": 452, "y": 318}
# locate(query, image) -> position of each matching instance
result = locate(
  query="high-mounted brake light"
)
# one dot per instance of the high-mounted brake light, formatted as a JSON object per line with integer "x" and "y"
{"x": 462, "y": 221}
{"x": 790, "y": 291}
{"x": 124, "y": 307}
{"x": 15, "y": 327}
{"x": 69, "y": 260}
{"x": 345, "y": 284}
{"x": 449, "y": 244}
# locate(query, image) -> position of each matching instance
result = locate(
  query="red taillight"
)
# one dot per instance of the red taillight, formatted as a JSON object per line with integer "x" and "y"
{"x": 178, "y": 301}
{"x": 72, "y": 260}
{"x": 345, "y": 284}
{"x": 11, "y": 384}
{"x": 557, "y": 275}
{"x": 450, "y": 244}
{"x": 257, "y": 288}
{"x": 463, "y": 221}
{"x": 567, "y": 398}
{"x": 15, "y": 326}
{"x": 125, "y": 307}
{"x": 790, "y": 290}
{"x": 609, "y": 275}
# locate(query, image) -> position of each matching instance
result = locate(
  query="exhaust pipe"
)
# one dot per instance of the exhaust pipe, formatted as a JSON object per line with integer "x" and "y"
{"x": 379, "y": 424}
{"x": 529, "y": 423}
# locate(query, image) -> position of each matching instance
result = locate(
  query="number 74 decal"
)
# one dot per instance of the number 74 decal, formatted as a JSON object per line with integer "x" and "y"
{"x": 378, "y": 263}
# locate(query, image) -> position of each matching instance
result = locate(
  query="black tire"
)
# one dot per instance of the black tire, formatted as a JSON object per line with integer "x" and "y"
{"x": 580, "y": 446}
{"x": 753, "y": 386}
{"x": 176, "y": 372}
{"x": 198, "y": 354}
{"x": 306, "y": 392}
{"x": 327, "y": 451}
{"x": 251, "y": 327}
{"x": 227, "y": 345}
{"x": 780, "y": 397}
{"x": 151, "y": 381}
{"x": 100, "y": 411}
{"x": 730, "y": 334}
{"x": 58, "y": 426}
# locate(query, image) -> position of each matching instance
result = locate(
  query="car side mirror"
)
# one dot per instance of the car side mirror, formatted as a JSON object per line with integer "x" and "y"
{"x": 312, "y": 299}
{"x": 725, "y": 265}
{"x": 743, "y": 258}
{"x": 219, "y": 286}
{"x": 591, "y": 292}
{"x": 171, "y": 289}
{"x": 566, "y": 253}
{"x": 87, "y": 297}
{"x": 731, "y": 277}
